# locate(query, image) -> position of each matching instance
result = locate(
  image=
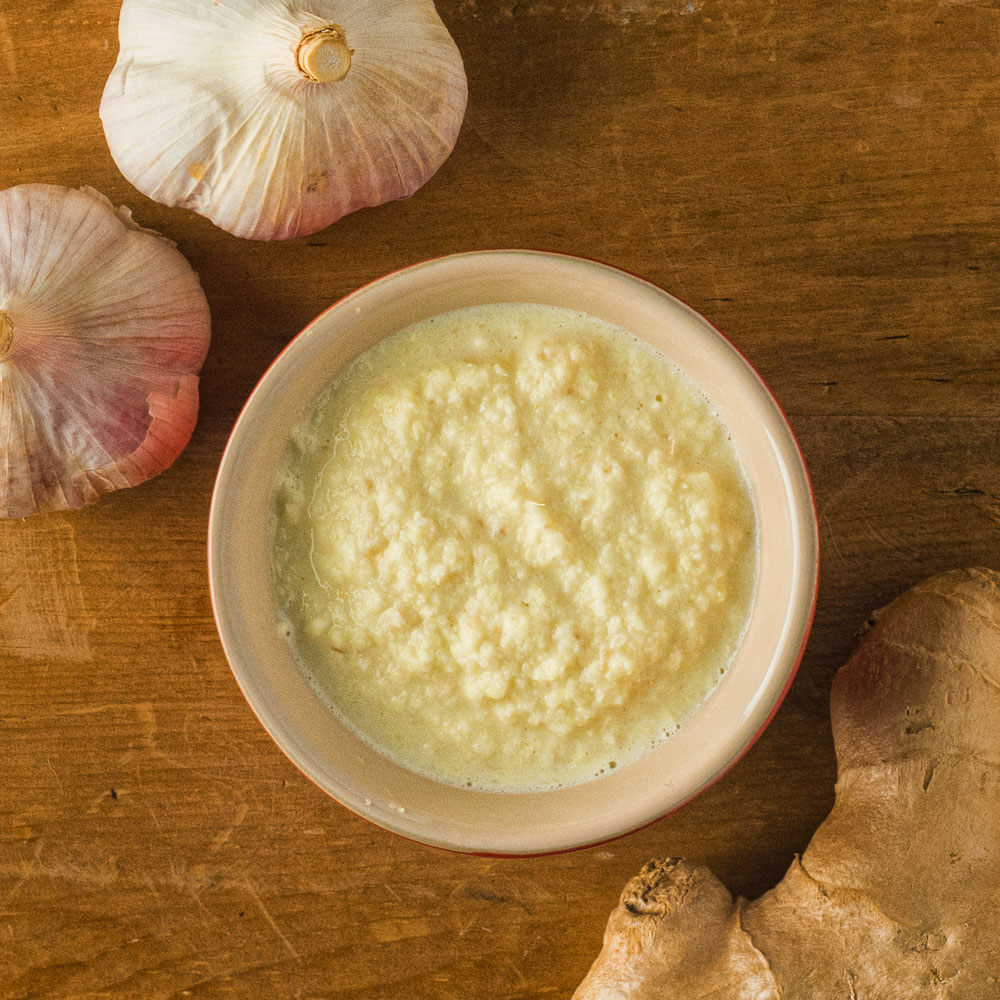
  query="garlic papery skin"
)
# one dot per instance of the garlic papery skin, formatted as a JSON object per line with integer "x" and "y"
{"x": 274, "y": 118}
{"x": 103, "y": 330}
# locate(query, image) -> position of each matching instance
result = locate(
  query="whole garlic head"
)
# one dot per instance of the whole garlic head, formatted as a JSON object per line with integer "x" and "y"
{"x": 274, "y": 118}
{"x": 103, "y": 330}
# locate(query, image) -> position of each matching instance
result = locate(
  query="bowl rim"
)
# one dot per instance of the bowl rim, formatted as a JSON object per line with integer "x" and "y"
{"x": 811, "y": 527}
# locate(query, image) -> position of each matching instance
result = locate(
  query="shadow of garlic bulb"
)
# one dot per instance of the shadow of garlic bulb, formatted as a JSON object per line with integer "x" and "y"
{"x": 274, "y": 118}
{"x": 103, "y": 330}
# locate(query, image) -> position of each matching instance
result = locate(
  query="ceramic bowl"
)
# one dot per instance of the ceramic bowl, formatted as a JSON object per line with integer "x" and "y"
{"x": 372, "y": 785}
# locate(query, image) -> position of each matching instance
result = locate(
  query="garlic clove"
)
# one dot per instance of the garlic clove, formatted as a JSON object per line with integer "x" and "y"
{"x": 103, "y": 330}
{"x": 274, "y": 121}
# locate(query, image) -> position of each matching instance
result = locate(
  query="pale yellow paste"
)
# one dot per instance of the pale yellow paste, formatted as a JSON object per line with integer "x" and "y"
{"x": 514, "y": 547}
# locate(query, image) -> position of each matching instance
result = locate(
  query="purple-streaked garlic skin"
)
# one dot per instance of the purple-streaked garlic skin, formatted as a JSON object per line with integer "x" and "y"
{"x": 103, "y": 330}
{"x": 275, "y": 118}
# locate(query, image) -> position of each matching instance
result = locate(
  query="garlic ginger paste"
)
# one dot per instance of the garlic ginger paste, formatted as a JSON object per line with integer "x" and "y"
{"x": 514, "y": 547}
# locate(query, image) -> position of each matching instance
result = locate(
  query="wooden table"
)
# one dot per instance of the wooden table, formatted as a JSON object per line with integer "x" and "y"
{"x": 820, "y": 179}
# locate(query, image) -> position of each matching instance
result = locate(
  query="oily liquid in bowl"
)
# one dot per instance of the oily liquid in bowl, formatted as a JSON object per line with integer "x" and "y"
{"x": 514, "y": 547}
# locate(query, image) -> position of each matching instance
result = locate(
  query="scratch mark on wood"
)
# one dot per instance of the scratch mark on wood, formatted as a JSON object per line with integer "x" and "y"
{"x": 459, "y": 886}
{"x": 88, "y": 710}
{"x": 270, "y": 920}
{"x": 152, "y": 887}
{"x": 504, "y": 156}
{"x": 386, "y": 931}
{"x": 115, "y": 600}
{"x": 155, "y": 820}
{"x": 206, "y": 917}
{"x": 28, "y": 870}
{"x": 521, "y": 981}
{"x": 55, "y": 774}
{"x": 223, "y": 837}
{"x": 146, "y": 718}
{"x": 880, "y": 537}
{"x": 825, "y": 519}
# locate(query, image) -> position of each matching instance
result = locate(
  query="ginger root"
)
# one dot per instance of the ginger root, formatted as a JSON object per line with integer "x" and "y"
{"x": 897, "y": 897}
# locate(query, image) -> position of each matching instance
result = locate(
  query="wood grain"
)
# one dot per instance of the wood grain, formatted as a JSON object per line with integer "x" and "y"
{"x": 819, "y": 179}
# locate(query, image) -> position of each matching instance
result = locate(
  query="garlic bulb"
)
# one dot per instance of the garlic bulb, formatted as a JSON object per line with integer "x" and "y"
{"x": 103, "y": 329}
{"x": 274, "y": 118}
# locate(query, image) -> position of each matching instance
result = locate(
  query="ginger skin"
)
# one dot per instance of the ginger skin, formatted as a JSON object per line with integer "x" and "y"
{"x": 897, "y": 896}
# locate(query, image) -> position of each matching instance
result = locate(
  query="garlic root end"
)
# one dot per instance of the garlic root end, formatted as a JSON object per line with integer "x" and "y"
{"x": 323, "y": 55}
{"x": 6, "y": 334}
